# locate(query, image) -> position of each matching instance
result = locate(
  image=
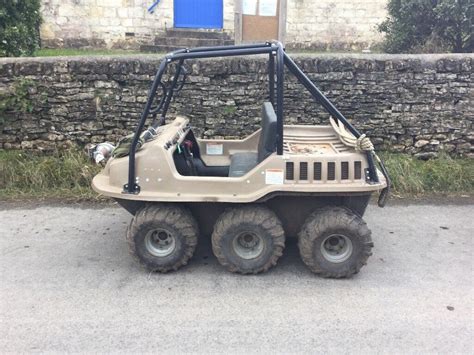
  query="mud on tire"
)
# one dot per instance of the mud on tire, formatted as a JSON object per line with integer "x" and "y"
{"x": 162, "y": 237}
{"x": 248, "y": 240}
{"x": 335, "y": 242}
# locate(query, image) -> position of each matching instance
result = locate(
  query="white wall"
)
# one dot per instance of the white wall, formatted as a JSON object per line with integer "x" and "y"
{"x": 107, "y": 21}
{"x": 310, "y": 23}
{"x": 334, "y": 23}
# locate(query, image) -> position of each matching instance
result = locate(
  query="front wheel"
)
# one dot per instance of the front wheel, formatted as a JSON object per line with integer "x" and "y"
{"x": 335, "y": 242}
{"x": 163, "y": 237}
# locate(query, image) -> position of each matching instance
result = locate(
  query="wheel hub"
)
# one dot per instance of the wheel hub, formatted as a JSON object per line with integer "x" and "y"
{"x": 336, "y": 248}
{"x": 248, "y": 245}
{"x": 160, "y": 242}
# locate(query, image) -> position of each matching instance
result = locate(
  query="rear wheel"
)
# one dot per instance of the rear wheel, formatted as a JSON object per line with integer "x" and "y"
{"x": 163, "y": 237}
{"x": 335, "y": 242}
{"x": 248, "y": 240}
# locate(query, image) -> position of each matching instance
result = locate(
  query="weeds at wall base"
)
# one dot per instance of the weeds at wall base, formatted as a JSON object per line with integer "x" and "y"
{"x": 68, "y": 175}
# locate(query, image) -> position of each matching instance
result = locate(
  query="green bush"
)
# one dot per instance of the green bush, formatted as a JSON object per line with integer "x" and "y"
{"x": 429, "y": 26}
{"x": 19, "y": 27}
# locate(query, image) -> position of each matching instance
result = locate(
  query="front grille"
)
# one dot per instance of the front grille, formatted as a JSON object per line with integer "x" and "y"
{"x": 290, "y": 171}
{"x": 331, "y": 171}
{"x": 357, "y": 170}
{"x": 324, "y": 171}
{"x": 303, "y": 171}
{"x": 317, "y": 171}
{"x": 344, "y": 170}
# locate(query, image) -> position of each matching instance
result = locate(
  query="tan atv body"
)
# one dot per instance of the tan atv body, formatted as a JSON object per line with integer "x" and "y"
{"x": 315, "y": 161}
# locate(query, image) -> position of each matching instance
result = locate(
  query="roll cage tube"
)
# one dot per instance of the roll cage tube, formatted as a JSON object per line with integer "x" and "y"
{"x": 132, "y": 187}
{"x": 279, "y": 108}
{"x": 330, "y": 108}
{"x": 274, "y": 50}
{"x": 170, "y": 92}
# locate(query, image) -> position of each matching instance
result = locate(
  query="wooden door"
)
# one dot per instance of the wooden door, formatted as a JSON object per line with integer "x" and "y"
{"x": 260, "y": 20}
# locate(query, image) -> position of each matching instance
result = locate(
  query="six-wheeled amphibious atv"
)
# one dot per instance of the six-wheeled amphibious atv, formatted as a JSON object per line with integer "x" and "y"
{"x": 313, "y": 182}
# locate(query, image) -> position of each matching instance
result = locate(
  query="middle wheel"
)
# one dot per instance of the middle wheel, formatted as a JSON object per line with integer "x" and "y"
{"x": 248, "y": 240}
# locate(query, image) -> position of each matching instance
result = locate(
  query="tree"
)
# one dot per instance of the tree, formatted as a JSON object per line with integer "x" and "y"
{"x": 429, "y": 25}
{"x": 19, "y": 27}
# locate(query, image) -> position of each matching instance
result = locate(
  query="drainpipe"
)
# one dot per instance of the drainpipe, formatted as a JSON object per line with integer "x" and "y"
{"x": 151, "y": 9}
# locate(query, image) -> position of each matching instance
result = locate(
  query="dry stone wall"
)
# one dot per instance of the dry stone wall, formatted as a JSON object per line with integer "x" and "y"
{"x": 418, "y": 104}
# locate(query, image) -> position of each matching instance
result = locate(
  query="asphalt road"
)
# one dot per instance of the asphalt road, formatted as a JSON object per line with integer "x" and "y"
{"x": 68, "y": 284}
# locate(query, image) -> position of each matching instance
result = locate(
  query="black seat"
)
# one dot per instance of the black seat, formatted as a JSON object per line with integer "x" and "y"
{"x": 268, "y": 137}
{"x": 241, "y": 163}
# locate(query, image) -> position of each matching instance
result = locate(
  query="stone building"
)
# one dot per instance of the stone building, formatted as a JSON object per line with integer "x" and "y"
{"x": 167, "y": 24}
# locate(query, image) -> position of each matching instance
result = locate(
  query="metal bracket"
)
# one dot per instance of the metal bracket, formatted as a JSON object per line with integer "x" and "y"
{"x": 367, "y": 176}
{"x": 135, "y": 191}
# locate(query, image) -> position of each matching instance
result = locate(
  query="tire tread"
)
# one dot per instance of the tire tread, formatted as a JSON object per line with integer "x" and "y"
{"x": 253, "y": 214}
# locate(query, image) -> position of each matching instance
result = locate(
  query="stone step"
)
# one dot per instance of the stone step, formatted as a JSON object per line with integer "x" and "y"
{"x": 191, "y": 42}
{"x": 196, "y": 33}
{"x": 157, "y": 48}
{"x": 166, "y": 48}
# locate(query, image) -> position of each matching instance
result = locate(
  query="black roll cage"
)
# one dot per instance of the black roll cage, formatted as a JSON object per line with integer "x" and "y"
{"x": 277, "y": 60}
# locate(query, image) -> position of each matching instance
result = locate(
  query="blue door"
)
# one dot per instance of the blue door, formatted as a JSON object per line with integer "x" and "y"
{"x": 198, "y": 13}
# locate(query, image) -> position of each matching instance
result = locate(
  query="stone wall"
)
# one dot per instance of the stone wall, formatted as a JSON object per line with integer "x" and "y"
{"x": 410, "y": 103}
{"x": 334, "y": 25}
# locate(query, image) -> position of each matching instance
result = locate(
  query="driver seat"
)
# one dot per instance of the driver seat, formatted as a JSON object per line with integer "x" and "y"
{"x": 242, "y": 163}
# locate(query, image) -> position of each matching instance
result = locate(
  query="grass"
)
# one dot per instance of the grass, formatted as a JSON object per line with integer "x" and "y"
{"x": 65, "y": 52}
{"x": 332, "y": 51}
{"x": 68, "y": 52}
{"x": 68, "y": 175}
{"x": 442, "y": 176}
{"x": 64, "y": 175}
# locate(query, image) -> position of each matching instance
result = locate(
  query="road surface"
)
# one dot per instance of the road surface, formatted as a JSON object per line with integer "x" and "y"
{"x": 68, "y": 284}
